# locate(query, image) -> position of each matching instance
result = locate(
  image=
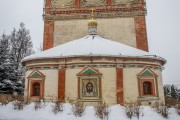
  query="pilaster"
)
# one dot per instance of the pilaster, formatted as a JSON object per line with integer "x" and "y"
{"x": 47, "y": 3}
{"x": 61, "y": 85}
{"x": 119, "y": 86}
{"x": 48, "y": 35}
{"x": 141, "y": 33}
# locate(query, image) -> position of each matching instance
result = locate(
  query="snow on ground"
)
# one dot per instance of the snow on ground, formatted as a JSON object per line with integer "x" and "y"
{"x": 117, "y": 112}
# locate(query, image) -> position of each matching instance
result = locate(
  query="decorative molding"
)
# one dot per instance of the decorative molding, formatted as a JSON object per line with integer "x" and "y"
{"x": 101, "y": 11}
{"x": 49, "y": 17}
{"x": 97, "y": 66}
{"x": 36, "y": 74}
{"x": 112, "y": 59}
{"x": 70, "y": 4}
{"x": 41, "y": 83}
{"x": 89, "y": 71}
{"x": 147, "y": 72}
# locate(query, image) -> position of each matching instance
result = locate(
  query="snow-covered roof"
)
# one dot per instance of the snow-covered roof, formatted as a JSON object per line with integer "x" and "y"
{"x": 90, "y": 45}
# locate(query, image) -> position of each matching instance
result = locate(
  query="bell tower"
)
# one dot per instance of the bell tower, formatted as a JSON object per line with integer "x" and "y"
{"x": 119, "y": 20}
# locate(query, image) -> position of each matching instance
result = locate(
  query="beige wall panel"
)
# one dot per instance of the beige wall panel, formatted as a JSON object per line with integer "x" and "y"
{"x": 117, "y": 29}
{"x": 131, "y": 84}
{"x": 26, "y": 83}
{"x": 71, "y": 84}
{"x": 160, "y": 85}
{"x": 108, "y": 85}
{"x": 51, "y": 84}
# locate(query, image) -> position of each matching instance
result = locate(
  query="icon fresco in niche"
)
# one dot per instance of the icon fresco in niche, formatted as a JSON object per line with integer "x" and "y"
{"x": 89, "y": 84}
{"x": 90, "y": 87}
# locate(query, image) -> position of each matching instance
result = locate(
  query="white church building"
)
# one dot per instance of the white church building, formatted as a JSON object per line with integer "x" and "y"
{"x": 102, "y": 60}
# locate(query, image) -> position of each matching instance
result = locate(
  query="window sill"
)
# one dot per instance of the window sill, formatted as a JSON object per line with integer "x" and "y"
{"x": 148, "y": 98}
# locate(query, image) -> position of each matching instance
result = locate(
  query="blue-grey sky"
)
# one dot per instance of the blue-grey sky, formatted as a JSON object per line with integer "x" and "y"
{"x": 163, "y": 28}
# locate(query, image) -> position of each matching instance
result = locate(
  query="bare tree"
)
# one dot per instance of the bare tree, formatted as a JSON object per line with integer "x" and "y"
{"x": 21, "y": 46}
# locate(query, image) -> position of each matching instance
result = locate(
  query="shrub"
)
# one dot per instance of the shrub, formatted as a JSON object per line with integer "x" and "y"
{"x": 78, "y": 109}
{"x": 18, "y": 105}
{"x": 161, "y": 109}
{"x": 102, "y": 111}
{"x": 129, "y": 112}
{"x": 5, "y": 99}
{"x": 57, "y": 107}
{"x": 137, "y": 111}
{"x": 18, "y": 97}
{"x": 164, "y": 111}
{"x": 170, "y": 102}
{"x": 178, "y": 109}
{"x": 134, "y": 110}
{"x": 37, "y": 105}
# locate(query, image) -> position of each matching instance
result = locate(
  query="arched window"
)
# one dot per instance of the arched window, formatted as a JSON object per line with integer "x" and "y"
{"x": 36, "y": 89}
{"x": 147, "y": 89}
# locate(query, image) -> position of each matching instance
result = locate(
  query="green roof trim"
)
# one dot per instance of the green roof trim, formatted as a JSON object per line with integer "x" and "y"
{"x": 35, "y": 74}
{"x": 147, "y": 72}
{"x": 89, "y": 71}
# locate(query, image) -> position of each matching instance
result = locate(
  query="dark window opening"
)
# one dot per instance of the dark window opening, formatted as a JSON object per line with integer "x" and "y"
{"x": 147, "y": 88}
{"x": 36, "y": 89}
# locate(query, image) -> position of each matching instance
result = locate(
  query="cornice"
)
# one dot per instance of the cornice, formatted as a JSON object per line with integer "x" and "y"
{"x": 119, "y": 10}
{"x": 48, "y": 17}
{"x": 95, "y": 5}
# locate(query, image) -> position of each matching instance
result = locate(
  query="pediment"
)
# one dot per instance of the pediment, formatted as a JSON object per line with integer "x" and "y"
{"x": 36, "y": 74}
{"x": 147, "y": 72}
{"x": 88, "y": 71}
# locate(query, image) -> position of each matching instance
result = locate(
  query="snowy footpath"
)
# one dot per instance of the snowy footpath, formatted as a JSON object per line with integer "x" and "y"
{"x": 45, "y": 113}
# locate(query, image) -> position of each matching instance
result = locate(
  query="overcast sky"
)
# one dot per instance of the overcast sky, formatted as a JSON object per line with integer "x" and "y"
{"x": 163, "y": 28}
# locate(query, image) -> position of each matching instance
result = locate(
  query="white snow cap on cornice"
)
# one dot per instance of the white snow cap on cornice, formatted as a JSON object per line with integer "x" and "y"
{"x": 91, "y": 45}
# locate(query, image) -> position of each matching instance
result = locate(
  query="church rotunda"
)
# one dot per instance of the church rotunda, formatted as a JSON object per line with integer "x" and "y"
{"x": 94, "y": 69}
